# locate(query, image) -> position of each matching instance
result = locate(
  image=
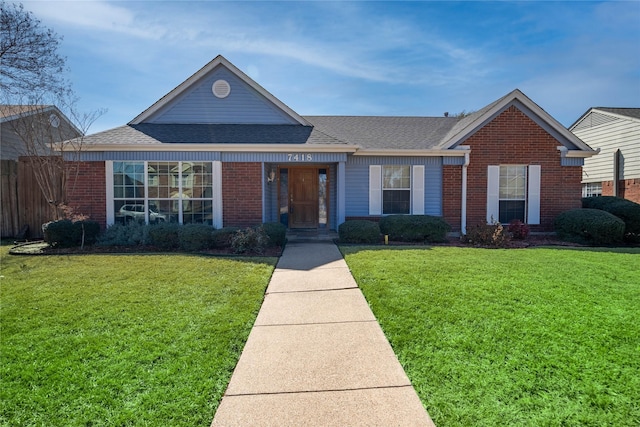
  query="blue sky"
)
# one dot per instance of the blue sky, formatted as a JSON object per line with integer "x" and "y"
{"x": 355, "y": 58}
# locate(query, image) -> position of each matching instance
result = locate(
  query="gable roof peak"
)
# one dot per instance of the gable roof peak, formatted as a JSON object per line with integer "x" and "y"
{"x": 470, "y": 124}
{"x": 219, "y": 60}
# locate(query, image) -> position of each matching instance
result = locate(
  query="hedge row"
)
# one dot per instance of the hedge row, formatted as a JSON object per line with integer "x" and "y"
{"x": 626, "y": 210}
{"x": 166, "y": 236}
{"x": 589, "y": 226}
{"x": 400, "y": 228}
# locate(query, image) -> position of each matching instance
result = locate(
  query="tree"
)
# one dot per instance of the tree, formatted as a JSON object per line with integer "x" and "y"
{"x": 34, "y": 88}
{"x": 52, "y": 143}
{"x": 31, "y": 64}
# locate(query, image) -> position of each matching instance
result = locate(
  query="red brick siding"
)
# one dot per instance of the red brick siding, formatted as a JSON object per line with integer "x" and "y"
{"x": 513, "y": 138}
{"x": 627, "y": 188}
{"x": 241, "y": 194}
{"x": 452, "y": 195}
{"x": 87, "y": 191}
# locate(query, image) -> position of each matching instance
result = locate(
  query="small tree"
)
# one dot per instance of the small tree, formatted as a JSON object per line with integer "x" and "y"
{"x": 52, "y": 147}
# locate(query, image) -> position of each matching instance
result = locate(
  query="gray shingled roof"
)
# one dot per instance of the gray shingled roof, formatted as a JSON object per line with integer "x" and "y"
{"x": 629, "y": 112}
{"x": 148, "y": 133}
{"x": 364, "y": 131}
{"x": 385, "y": 132}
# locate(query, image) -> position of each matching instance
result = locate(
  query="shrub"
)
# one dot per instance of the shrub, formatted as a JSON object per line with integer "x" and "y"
{"x": 276, "y": 232}
{"x": 196, "y": 237}
{"x": 492, "y": 235}
{"x": 414, "y": 228}
{"x": 626, "y": 210}
{"x": 66, "y": 234}
{"x": 133, "y": 233}
{"x": 359, "y": 231}
{"x": 589, "y": 226}
{"x": 221, "y": 238}
{"x": 165, "y": 236}
{"x": 518, "y": 229}
{"x": 250, "y": 240}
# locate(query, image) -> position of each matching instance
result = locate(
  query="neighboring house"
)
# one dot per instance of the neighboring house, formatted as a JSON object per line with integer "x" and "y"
{"x": 616, "y": 132}
{"x": 219, "y": 149}
{"x": 21, "y": 201}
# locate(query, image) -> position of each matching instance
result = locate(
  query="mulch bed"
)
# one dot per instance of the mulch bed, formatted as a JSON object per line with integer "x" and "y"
{"x": 41, "y": 248}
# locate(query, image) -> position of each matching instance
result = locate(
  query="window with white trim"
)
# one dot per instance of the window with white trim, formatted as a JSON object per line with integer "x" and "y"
{"x": 154, "y": 192}
{"x": 592, "y": 189}
{"x": 513, "y": 192}
{"x": 396, "y": 189}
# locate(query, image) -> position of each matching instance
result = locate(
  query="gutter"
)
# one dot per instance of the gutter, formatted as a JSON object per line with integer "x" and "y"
{"x": 261, "y": 148}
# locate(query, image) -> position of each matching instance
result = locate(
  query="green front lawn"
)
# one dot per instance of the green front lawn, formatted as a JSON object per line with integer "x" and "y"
{"x": 107, "y": 340}
{"x": 535, "y": 337}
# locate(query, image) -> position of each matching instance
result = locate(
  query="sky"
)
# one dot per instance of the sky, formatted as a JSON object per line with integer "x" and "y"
{"x": 418, "y": 58}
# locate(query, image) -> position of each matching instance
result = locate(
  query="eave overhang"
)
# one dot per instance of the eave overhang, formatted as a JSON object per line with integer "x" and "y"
{"x": 256, "y": 148}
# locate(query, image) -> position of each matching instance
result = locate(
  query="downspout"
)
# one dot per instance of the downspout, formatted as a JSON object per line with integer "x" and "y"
{"x": 616, "y": 173}
{"x": 463, "y": 210}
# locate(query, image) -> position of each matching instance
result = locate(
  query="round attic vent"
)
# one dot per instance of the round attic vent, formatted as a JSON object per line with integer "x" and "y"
{"x": 54, "y": 120}
{"x": 221, "y": 88}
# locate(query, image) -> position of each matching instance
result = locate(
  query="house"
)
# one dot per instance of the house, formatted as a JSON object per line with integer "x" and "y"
{"x": 27, "y": 130}
{"x": 616, "y": 170}
{"x": 220, "y": 149}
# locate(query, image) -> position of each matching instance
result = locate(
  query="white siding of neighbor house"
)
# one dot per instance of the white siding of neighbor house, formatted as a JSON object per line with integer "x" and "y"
{"x": 609, "y": 136}
{"x": 243, "y": 105}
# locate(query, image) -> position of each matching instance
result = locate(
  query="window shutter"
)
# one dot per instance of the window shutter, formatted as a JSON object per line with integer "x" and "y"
{"x": 417, "y": 189}
{"x": 493, "y": 193}
{"x": 375, "y": 190}
{"x": 533, "y": 195}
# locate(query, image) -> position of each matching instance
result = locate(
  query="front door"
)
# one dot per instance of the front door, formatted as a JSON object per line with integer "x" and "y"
{"x": 303, "y": 198}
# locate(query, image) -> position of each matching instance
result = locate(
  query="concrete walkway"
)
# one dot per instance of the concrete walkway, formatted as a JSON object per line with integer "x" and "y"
{"x": 316, "y": 355}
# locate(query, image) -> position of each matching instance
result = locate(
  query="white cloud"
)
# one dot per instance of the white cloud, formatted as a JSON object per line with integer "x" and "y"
{"x": 94, "y": 16}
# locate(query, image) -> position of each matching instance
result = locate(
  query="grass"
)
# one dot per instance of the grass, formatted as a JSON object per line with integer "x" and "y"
{"x": 535, "y": 337}
{"x": 103, "y": 340}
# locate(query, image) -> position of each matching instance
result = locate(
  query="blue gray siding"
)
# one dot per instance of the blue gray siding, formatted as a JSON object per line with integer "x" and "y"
{"x": 199, "y": 105}
{"x": 357, "y": 179}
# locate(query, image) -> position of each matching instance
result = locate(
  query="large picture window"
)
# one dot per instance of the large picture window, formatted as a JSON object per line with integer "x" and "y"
{"x": 396, "y": 189}
{"x": 154, "y": 192}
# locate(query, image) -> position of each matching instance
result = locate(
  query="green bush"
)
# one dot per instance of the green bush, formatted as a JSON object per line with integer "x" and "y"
{"x": 133, "y": 233}
{"x": 276, "y": 232}
{"x": 66, "y": 234}
{"x": 250, "y": 240}
{"x": 165, "y": 236}
{"x": 491, "y": 235}
{"x": 626, "y": 210}
{"x": 414, "y": 228}
{"x": 196, "y": 237}
{"x": 221, "y": 238}
{"x": 589, "y": 226}
{"x": 359, "y": 231}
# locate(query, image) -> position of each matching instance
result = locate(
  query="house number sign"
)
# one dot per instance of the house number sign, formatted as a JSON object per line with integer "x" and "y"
{"x": 302, "y": 157}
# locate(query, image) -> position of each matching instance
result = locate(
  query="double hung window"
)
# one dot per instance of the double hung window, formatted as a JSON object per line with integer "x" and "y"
{"x": 396, "y": 189}
{"x": 513, "y": 196}
{"x": 513, "y": 192}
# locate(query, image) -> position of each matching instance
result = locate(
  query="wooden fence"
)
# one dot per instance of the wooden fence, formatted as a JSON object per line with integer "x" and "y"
{"x": 21, "y": 201}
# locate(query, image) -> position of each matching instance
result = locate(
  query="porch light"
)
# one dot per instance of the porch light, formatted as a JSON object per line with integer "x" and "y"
{"x": 271, "y": 176}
